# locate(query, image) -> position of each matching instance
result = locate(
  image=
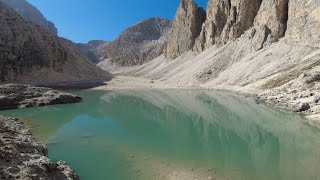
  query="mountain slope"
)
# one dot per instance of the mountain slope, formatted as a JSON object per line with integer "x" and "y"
{"x": 29, "y": 53}
{"x": 138, "y": 44}
{"x": 273, "y": 50}
{"x": 29, "y": 12}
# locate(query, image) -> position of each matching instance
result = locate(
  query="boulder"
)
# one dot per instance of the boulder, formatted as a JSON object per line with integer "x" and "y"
{"x": 301, "y": 106}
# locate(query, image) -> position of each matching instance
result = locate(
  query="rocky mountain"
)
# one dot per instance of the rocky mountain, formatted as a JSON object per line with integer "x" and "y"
{"x": 93, "y": 49}
{"x": 265, "y": 47}
{"x": 185, "y": 29}
{"x": 31, "y": 54}
{"x": 29, "y": 12}
{"x": 138, "y": 44}
{"x": 226, "y": 21}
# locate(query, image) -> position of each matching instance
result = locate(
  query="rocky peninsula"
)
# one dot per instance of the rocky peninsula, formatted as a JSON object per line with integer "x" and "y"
{"x": 15, "y": 96}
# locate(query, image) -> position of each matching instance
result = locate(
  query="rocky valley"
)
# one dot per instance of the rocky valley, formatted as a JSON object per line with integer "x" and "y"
{"x": 265, "y": 49}
{"x": 246, "y": 46}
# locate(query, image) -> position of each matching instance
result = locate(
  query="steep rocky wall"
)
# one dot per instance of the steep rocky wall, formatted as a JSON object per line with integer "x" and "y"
{"x": 228, "y": 20}
{"x": 185, "y": 29}
{"x": 271, "y": 22}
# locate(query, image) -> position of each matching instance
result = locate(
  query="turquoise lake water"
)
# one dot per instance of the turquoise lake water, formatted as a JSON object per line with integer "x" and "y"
{"x": 157, "y": 134}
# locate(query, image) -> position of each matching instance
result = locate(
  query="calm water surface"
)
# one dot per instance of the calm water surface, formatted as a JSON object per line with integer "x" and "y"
{"x": 119, "y": 135}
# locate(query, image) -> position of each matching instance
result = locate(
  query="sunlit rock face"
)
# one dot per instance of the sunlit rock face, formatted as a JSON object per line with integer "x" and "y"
{"x": 185, "y": 29}
{"x": 304, "y": 22}
{"x": 271, "y": 22}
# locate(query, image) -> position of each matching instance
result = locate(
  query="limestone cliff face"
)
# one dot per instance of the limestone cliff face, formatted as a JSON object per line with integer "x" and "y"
{"x": 186, "y": 28}
{"x": 29, "y": 53}
{"x": 31, "y": 13}
{"x": 271, "y": 22}
{"x": 227, "y": 20}
{"x": 304, "y": 22}
{"x": 137, "y": 44}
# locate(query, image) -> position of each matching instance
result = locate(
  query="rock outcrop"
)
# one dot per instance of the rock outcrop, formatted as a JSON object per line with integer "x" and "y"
{"x": 185, "y": 29}
{"x": 15, "y": 96}
{"x": 30, "y": 54}
{"x": 29, "y": 12}
{"x": 22, "y": 157}
{"x": 137, "y": 44}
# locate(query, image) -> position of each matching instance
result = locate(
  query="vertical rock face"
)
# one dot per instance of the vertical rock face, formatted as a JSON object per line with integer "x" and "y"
{"x": 186, "y": 28}
{"x": 31, "y": 13}
{"x": 227, "y": 20}
{"x": 271, "y": 22}
{"x": 304, "y": 22}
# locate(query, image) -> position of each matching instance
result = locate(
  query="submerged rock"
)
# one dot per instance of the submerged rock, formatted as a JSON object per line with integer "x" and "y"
{"x": 22, "y": 157}
{"x": 15, "y": 96}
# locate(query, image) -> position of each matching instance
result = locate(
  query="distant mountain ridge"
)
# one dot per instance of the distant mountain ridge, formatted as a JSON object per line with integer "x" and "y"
{"x": 138, "y": 44}
{"x": 93, "y": 49}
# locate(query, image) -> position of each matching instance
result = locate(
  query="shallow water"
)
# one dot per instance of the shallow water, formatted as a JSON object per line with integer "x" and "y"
{"x": 129, "y": 134}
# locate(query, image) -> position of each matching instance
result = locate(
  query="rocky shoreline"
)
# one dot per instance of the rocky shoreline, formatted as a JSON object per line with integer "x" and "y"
{"x": 300, "y": 95}
{"x": 22, "y": 157}
{"x": 15, "y": 96}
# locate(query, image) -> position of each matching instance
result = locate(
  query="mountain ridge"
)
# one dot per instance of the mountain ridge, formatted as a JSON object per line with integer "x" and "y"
{"x": 29, "y": 12}
{"x": 137, "y": 44}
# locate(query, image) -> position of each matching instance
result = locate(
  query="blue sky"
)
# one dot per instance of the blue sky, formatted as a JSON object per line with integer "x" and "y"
{"x": 84, "y": 20}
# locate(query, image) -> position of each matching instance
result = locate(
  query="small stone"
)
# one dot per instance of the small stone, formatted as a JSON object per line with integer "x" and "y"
{"x": 316, "y": 99}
